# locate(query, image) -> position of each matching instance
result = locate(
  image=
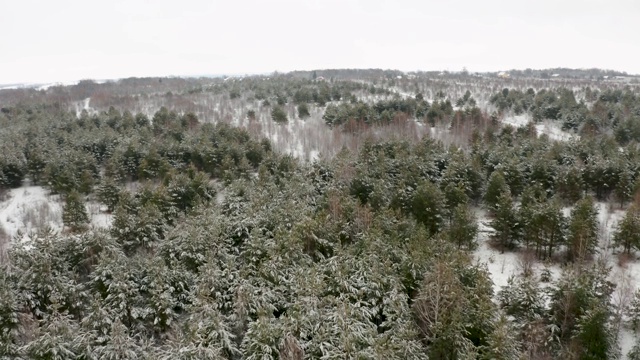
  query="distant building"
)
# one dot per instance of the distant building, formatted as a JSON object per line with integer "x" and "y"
{"x": 320, "y": 78}
{"x": 504, "y": 75}
{"x": 555, "y": 75}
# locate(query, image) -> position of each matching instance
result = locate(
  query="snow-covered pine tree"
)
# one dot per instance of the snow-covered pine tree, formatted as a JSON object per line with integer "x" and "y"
{"x": 74, "y": 212}
{"x": 502, "y": 342}
{"x": 495, "y": 188}
{"x": 627, "y": 234}
{"x": 506, "y": 222}
{"x": 463, "y": 228}
{"x": 583, "y": 230}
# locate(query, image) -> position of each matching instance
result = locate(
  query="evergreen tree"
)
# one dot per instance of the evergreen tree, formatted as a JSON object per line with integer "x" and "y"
{"x": 278, "y": 115}
{"x": 627, "y": 235}
{"x": 118, "y": 344}
{"x": 9, "y": 317}
{"x": 523, "y": 299}
{"x": 580, "y": 308}
{"x": 465, "y": 172}
{"x": 583, "y": 230}
{"x": 569, "y": 184}
{"x": 554, "y": 226}
{"x": 633, "y": 311}
{"x": 624, "y": 188}
{"x": 109, "y": 193}
{"x": 439, "y": 311}
{"x": 506, "y": 222}
{"x": 58, "y": 338}
{"x": 86, "y": 182}
{"x": 303, "y": 111}
{"x": 502, "y": 342}
{"x": 543, "y": 226}
{"x": 634, "y": 353}
{"x": 594, "y": 334}
{"x": 495, "y": 188}
{"x": 463, "y": 228}
{"x": 74, "y": 212}
{"x": 142, "y": 120}
{"x": 454, "y": 195}
{"x": 427, "y": 204}
{"x": 137, "y": 224}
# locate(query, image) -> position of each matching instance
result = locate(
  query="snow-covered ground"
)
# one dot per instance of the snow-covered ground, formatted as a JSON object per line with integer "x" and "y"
{"x": 554, "y": 131}
{"x": 30, "y": 208}
{"x": 98, "y": 215}
{"x": 83, "y": 105}
{"x": 33, "y": 208}
{"x": 550, "y": 128}
{"x": 517, "y": 120}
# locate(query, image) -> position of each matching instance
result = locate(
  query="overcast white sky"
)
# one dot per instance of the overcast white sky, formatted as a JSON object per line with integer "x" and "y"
{"x": 62, "y": 40}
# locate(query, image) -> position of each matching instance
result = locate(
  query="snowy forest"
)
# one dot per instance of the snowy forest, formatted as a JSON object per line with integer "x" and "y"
{"x": 329, "y": 214}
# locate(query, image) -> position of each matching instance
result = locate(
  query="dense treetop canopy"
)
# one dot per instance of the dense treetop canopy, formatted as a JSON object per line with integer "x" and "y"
{"x": 223, "y": 248}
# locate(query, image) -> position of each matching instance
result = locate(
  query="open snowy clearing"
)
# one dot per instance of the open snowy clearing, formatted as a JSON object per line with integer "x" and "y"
{"x": 550, "y": 128}
{"x": 32, "y": 208}
{"x": 554, "y": 132}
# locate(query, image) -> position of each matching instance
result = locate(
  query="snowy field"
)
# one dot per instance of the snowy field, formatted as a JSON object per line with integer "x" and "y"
{"x": 32, "y": 208}
{"x": 550, "y": 128}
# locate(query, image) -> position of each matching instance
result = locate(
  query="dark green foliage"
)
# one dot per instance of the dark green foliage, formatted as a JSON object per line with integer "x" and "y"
{"x": 513, "y": 99}
{"x": 506, "y": 222}
{"x": 463, "y": 228}
{"x": 451, "y": 322}
{"x": 580, "y": 310}
{"x": 523, "y": 299}
{"x": 74, "y": 212}
{"x": 426, "y": 206}
{"x": 438, "y": 111}
{"x": 279, "y": 115}
{"x": 634, "y": 354}
{"x": 583, "y": 230}
{"x": 142, "y": 120}
{"x": 465, "y": 172}
{"x": 188, "y": 190}
{"x": 108, "y": 193}
{"x": 543, "y": 226}
{"x": 9, "y": 319}
{"x": 633, "y": 311}
{"x": 381, "y": 112}
{"x": 303, "y": 111}
{"x": 454, "y": 195}
{"x": 12, "y": 167}
{"x": 364, "y": 255}
{"x": 495, "y": 188}
{"x": 625, "y": 187}
{"x": 502, "y": 342}
{"x": 627, "y": 235}
{"x": 138, "y": 221}
{"x": 569, "y": 184}
{"x": 163, "y": 120}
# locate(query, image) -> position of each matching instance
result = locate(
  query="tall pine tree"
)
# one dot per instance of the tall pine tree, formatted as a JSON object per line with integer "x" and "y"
{"x": 74, "y": 212}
